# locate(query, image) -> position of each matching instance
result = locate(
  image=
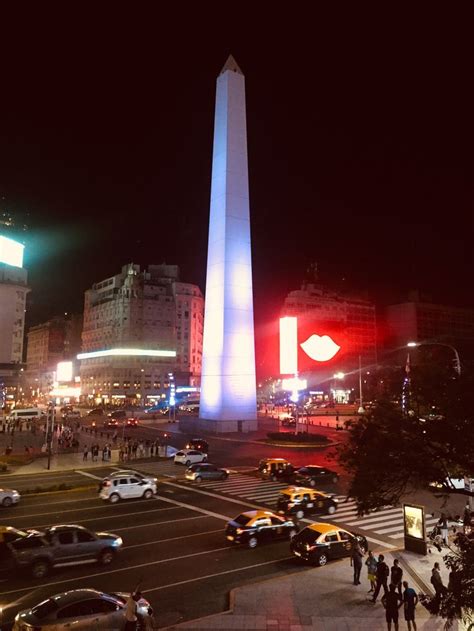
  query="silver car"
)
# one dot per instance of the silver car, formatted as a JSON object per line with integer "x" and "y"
{"x": 82, "y": 610}
{"x": 9, "y": 497}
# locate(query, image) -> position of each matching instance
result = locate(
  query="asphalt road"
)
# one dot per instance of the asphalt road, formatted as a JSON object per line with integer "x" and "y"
{"x": 174, "y": 546}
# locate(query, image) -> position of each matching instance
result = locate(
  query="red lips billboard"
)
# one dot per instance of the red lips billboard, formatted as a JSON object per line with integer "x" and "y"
{"x": 306, "y": 344}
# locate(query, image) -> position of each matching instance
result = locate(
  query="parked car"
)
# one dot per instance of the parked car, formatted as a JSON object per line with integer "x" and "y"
{"x": 82, "y": 609}
{"x": 126, "y": 486}
{"x": 199, "y": 444}
{"x": 288, "y": 421}
{"x": 58, "y": 546}
{"x": 189, "y": 457}
{"x": 205, "y": 471}
{"x": 313, "y": 475}
{"x": 257, "y": 526}
{"x": 320, "y": 543}
{"x": 96, "y": 412}
{"x": 276, "y": 469}
{"x": 300, "y": 501}
{"x": 9, "y": 497}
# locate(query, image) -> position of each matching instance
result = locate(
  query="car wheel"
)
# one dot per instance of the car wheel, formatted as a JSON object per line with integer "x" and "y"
{"x": 299, "y": 514}
{"x": 334, "y": 479}
{"x": 7, "y": 501}
{"x": 224, "y": 476}
{"x": 253, "y": 542}
{"x": 331, "y": 510}
{"x": 292, "y": 533}
{"x": 188, "y": 462}
{"x": 198, "y": 479}
{"x": 40, "y": 569}
{"x": 312, "y": 483}
{"x": 114, "y": 498}
{"x": 106, "y": 557}
{"x": 204, "y": 459}
{"x": 148, "y": 494}
{"x": 321, "y": 560}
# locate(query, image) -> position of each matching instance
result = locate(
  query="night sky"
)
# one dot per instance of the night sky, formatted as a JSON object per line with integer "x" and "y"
{"x": 359, "y": 134}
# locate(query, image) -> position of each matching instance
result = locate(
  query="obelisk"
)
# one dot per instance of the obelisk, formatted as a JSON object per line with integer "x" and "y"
{"x": 228, "y": 388}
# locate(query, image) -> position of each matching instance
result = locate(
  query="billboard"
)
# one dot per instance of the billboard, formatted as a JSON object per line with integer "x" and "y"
{"x": 64, "y": 371}
{"x": 11, "y": 252}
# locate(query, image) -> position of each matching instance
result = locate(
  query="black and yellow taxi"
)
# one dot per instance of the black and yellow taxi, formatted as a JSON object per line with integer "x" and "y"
{"x": 320, "y": 543}
{"x": 258, "y": 526}
{"x": 300, "y": 501}
{"x": 276, "y": 469}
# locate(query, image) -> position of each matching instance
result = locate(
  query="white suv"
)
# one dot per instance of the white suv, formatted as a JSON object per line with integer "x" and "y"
{"x": 127, "y": 486}
{"x": 189, "y": 456}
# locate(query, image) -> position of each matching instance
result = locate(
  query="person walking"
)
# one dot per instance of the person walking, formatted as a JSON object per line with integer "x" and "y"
{"x": 410, "y": 601}
{"x": 392, "y": 602}
{"x": 466, "y": 519}
{"x": 131, "y": 609}
{"x": 371, "y": 563}
{"x": 381, "y": 576}
{"x": 396, "y": 576}
{"x": 443, "y": 526}
{"x": 85, "y": 453}
{"x": 356, "y": 561}
{"x": 439, "y": 587}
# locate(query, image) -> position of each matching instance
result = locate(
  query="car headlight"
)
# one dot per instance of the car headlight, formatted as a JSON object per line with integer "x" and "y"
{"x": 117, "y": 542}
{"x": 239, "y": 531}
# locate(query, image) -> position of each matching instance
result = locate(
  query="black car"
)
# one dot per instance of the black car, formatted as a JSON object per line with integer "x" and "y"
{"x": 313, "y": 475}
{"x": 257, "y": 526}
{"x": 320, "y": 543}
{"x": 199, "y": 444}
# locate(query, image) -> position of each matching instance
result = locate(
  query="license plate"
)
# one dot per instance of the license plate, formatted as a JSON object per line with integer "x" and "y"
{"x": 298, "y": 554}
{"x": 230, "y": 537}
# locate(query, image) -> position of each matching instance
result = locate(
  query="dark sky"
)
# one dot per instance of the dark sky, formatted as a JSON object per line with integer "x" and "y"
{"x": 360, "y": 143}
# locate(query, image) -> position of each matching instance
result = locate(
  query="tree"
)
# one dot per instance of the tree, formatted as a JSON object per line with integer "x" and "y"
{"x": 459, "y": 600}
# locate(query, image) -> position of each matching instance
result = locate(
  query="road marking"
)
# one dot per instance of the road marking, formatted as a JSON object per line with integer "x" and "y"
{"x": 196, "y": 534}
{"x": 193, "y": 508}
{"x": 74, "y": 510}
{"x": 159, "y": 523}
{"x": 122, "y": 569}
{"x": 82, "y": 521}
{"x": 89, "y": 475}
{"x": 201, "y": 578}
{"x": 367, "y": 519}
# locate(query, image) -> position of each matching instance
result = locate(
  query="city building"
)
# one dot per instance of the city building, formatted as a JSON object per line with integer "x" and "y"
{"x": 49, "y": 343}
{"x": 334, "y": 335}
{"x": 13, "y": 291}
{"x": 422, "y": 321}
{"x": 142, "y": 332}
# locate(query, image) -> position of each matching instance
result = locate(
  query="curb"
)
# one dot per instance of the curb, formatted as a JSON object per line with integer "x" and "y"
{"x": 415, "y": 576}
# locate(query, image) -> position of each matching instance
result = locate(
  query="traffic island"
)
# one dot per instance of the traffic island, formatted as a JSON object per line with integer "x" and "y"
{"x": 300, "y": 440}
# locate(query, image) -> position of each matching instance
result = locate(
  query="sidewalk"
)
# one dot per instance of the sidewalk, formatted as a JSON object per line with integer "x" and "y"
{"x": 323, "y": 599}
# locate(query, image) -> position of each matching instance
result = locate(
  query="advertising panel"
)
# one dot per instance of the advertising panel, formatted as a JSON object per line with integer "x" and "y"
{"x": 11, "y": 252}
{"x": 414, "y": 527}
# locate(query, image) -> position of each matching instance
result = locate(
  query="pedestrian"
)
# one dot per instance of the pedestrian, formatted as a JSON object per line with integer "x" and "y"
{"x": 356, "y": 561}
{"x": 466, "y": 519}
{"x": 396, "y": 576}
{"x": 392, "y": 602}
{"x": 410, "y": 601}
{"x": 381, "y": 577}
{"x": 104, "y": 452}
{"x": 443, "y": 526}
{"x": 439, "y": 587}
{"x": 109, "y": 453}
{"x": 131, "y": 608}
{"x": 86, "y": 451}
{"x": 152, "y": 449}
{"x": 371, "y": 563}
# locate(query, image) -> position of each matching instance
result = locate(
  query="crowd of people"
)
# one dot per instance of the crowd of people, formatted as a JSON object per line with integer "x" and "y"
{"x": 396, "y": 591}
{"x": 133, "y": 449}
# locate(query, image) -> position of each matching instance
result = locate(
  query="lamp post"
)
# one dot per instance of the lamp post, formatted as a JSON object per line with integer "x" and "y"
{"x": 361, "y": 407}
{"x": 457, "y": 361}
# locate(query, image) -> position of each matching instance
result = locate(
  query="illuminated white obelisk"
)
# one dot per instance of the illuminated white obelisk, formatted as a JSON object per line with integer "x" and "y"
{"x": 228, "y": 388}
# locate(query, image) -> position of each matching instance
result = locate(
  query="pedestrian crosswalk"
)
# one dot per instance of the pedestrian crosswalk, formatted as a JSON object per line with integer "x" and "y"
{"x": 385, "y": 521}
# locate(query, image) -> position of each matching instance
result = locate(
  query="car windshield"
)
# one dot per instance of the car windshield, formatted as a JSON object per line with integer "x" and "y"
{"x": 303, "y": 471}
{"x": 44, "y": 609}
{"x": 180, "y": 453}
{"x": 242, "y": 520}
{"x": 308, "y": 535}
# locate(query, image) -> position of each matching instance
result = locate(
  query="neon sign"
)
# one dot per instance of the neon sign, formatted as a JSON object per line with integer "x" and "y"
{"x": 320, "y": 348}
{"x": 294, "y": 354}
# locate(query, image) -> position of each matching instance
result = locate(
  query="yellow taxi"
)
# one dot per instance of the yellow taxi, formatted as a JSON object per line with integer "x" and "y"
{"x": 320, "y": 543}
{"x": 258, "y": 526}
{"x": 300, "y": 501}
{"x": 276, "y": 469}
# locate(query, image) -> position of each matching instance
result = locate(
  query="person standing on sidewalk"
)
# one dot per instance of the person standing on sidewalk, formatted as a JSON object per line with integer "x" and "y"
{"x": 371, "y": 564}
{"x": 443, "y": 526}
{"x": 410, "y": 601}
{"x": 85, "y": 453}
{"x": 382, "y": 576}
{"x": 392, "y": 602}
{"x": 396, "y": 575}
{"x": 466, "y": 519}
{"x": 439, "y": 587}
{"x": 356, "y": 561}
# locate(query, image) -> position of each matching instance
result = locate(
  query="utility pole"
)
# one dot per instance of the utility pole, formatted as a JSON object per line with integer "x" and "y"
{"x": 361, "y": 407}
{"x": 50, "y": 423}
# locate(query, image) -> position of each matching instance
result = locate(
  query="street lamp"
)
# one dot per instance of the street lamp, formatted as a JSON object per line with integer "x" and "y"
{"x": 457, "y": 361}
